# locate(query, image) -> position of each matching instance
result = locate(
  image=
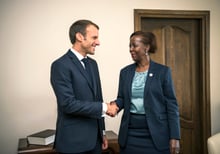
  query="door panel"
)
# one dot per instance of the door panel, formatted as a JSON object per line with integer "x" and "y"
{"x": 176, "y": 45}
{"x": 178, "y": 41}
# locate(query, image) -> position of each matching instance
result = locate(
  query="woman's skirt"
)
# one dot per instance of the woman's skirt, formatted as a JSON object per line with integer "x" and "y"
{"x": 139, "y": 140}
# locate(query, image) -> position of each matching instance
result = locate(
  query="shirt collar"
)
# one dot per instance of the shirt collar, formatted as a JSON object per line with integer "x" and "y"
{"x": 78, "y": 55}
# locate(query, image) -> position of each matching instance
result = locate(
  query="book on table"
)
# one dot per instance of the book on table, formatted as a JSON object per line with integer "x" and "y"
{"x": 44, "y": 137}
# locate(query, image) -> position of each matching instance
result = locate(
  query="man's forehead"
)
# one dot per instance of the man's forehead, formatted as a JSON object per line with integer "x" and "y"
{"x": 92, "y": 30}
{"x": 91, "y": 27}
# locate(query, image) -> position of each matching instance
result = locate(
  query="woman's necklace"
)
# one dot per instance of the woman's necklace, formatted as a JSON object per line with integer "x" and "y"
{"x": 142, "y": 67}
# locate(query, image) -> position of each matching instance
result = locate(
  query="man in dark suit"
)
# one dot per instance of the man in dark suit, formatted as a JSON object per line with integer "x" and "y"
{"x": 76, "y": 83}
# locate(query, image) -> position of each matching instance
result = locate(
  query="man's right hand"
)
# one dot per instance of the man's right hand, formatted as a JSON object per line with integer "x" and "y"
{"x": 112, "y": 109}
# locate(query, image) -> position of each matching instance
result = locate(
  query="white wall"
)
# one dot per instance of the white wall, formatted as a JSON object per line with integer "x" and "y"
{"x": 34, "y": 33}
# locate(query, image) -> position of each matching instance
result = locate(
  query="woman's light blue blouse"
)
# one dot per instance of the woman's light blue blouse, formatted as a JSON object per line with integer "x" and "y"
{"x": 137, "y": 98}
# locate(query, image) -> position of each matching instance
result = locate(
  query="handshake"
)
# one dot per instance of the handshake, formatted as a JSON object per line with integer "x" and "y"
{"x": 112, "y": 109}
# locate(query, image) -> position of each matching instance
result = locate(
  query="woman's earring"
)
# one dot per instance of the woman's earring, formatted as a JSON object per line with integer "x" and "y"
{"x": 146, "y": 53}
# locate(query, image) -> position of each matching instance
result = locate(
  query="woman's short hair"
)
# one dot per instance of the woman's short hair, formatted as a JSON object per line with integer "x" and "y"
{"x": 147, "y": 38}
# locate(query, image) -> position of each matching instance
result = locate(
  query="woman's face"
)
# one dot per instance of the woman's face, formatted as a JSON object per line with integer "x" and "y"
{"x": 138, "y": 49}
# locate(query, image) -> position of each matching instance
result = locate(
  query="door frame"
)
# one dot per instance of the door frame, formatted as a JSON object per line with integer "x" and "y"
{"x": 204, "y": 20}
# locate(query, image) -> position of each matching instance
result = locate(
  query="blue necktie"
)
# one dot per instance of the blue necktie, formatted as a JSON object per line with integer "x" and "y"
{"x": 87, "y": 68}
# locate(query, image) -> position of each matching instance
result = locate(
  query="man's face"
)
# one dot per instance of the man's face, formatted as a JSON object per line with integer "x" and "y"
{"x": 90, "y": 40}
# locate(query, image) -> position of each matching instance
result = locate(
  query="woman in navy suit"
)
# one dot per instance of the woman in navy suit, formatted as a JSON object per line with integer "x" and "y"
{"x": 150, "y": 122}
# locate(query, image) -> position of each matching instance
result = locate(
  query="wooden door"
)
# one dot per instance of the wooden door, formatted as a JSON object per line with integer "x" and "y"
{"x": 180, "y": 47}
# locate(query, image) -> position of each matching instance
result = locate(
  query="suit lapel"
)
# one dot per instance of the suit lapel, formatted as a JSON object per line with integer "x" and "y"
{"x": 92, "y": 81}
{"x": 150, "y": 77}
{"x": 130, "y": 77}
{"x": 80, "y": 68}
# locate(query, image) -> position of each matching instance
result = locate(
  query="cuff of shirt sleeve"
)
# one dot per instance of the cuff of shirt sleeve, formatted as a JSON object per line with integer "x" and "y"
{"x": 103, "y": 131}
{"x": 104, "y": 109}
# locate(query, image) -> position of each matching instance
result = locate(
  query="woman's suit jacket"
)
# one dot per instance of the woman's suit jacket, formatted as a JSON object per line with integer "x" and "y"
{"x": 160, "y": 104}
{"x": 79, "y": 104}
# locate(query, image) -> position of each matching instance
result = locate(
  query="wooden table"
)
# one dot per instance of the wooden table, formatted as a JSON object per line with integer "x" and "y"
{"x": 25, "y": 148}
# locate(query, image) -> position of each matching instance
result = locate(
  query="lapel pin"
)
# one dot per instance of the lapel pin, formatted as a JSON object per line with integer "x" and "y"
{"x": 151, "y": 74}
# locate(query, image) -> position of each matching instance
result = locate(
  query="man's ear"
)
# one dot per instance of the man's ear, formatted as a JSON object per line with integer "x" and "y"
{"x": 79, "y": 37}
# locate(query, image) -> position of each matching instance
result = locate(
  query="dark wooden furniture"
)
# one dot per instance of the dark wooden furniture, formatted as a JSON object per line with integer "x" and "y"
{"x": 25, "y": 148}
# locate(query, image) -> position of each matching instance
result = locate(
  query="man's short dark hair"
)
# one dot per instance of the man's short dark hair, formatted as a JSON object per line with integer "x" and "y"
{"x": 79, "y": 27}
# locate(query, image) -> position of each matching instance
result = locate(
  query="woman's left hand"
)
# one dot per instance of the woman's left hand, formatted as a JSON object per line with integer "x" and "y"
{"x": 104, "y": 143}
{"x": 174, "y": 146}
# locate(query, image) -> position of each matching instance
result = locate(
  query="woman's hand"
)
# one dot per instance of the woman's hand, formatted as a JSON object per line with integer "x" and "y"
{"x": 105, "y": 143}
